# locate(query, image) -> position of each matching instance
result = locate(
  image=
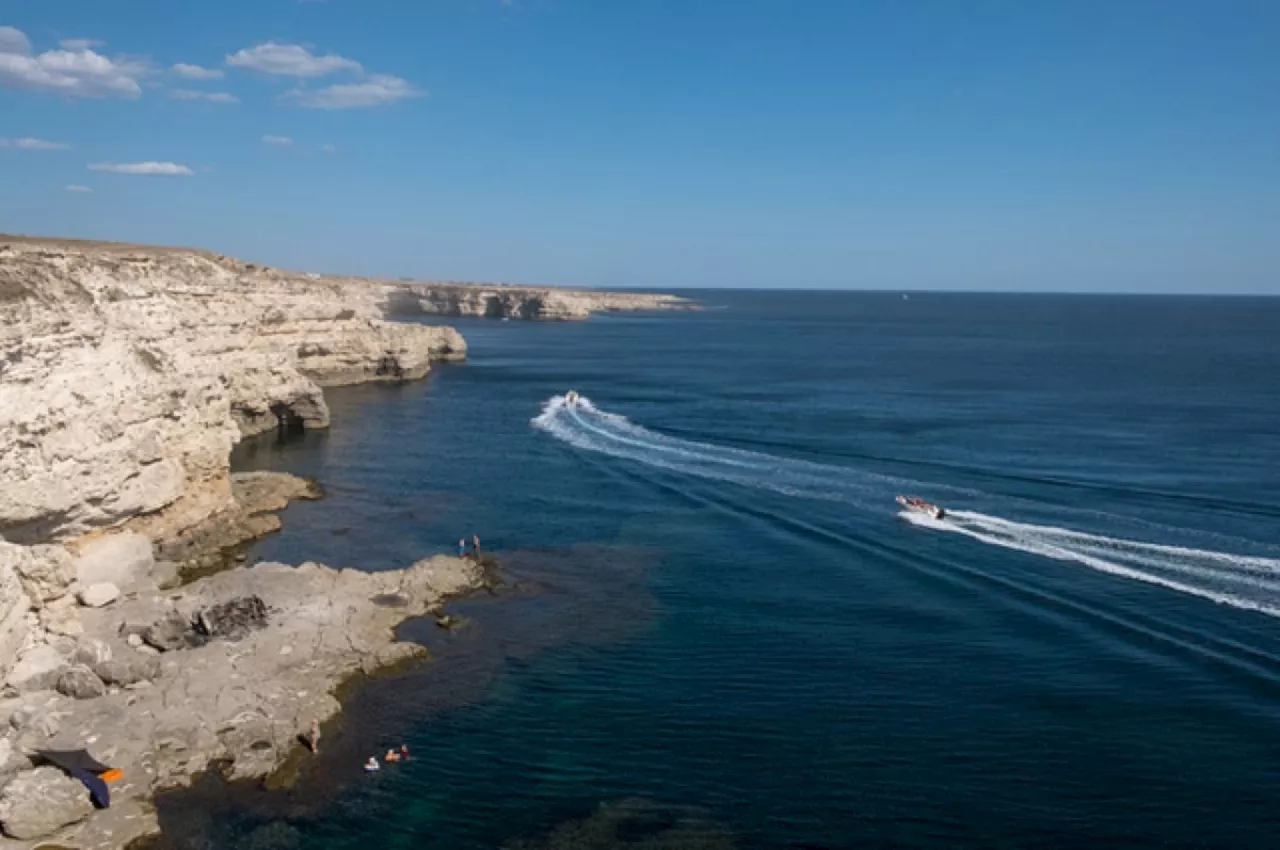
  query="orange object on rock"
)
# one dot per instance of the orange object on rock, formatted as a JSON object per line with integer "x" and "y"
{"x": 113, "y": 775}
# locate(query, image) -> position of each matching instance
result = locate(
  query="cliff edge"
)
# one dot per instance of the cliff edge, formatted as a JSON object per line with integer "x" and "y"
{"x": 127, "y": 373}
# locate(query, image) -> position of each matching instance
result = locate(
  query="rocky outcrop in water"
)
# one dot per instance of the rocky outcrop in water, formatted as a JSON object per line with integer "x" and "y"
{"x": 127, "y": 373}
{"x": 522, "y": 302}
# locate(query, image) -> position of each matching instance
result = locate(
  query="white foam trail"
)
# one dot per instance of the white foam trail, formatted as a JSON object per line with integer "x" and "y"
{"x": 1247, "y": 582}
{"x": 1240, "y": 581}
{"x": 584, "y": 425}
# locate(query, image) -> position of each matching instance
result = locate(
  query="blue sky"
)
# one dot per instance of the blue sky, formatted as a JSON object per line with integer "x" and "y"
{"x": 939, "y": 144}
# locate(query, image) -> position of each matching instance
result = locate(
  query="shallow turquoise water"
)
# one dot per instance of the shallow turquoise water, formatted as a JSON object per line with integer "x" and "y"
{"x": 718, "y": 612}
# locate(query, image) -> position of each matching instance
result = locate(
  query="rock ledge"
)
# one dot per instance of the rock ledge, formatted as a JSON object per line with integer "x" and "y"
{"x": 240, "y": 702}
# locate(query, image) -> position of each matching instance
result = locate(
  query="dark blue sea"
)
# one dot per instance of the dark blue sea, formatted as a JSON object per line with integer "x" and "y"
{"x": 718, "y": 630}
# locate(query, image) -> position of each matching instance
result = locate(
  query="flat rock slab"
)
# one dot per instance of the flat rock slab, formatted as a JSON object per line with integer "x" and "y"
{"x": 241, "y": 702}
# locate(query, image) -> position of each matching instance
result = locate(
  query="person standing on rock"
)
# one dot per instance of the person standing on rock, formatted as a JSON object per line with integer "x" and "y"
{"x": 475, "y": 547}
{"x": 462, "y": 547}
{"x": 314, "y": 738}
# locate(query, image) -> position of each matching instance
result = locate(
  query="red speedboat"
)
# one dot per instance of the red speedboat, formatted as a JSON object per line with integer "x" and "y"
{"x": 920, "y": 506}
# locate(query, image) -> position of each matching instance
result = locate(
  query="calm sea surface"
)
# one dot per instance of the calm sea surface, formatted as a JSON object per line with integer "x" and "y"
{"x": 719, "y": 632}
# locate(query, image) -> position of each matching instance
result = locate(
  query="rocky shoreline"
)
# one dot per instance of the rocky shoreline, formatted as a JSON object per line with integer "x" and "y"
{"x": 227, "y": 672}
{"x": 128, "y": 627}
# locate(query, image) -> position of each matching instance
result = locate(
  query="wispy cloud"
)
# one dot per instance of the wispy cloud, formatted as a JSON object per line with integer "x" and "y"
{"x": 283, "y": 141}
{"x": 211, "y": 96}
{"x": 327, "y": 148}
{"x": 84, "y": 190}
{"x": 195, "y": 72}
{"x": 375, "y": 90}
{"x": 77, "y": 44}
{"x": 29, "y": 144}
{"x": 162, "y": 169}
{"x": 78, "y": 72}
{"x": 290, "y": 60}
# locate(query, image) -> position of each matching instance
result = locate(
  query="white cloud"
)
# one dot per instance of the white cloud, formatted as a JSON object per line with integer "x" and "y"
{"x": 376, "y": 90}
{"x": 84, "y": 190}
{"x": 211, "y": 96}
{"x": 75, "y": 73}
{"x": 195, "y": 72}
{"x": 290, "y": 60}
{"x": 77, "y": 44}
{"x": 29, "y": 144}
{"x": 326, "y": 148}
{"x": 14, "y": 41}
{"x": 163, "y": 169}
{"x": 277, "y": 140}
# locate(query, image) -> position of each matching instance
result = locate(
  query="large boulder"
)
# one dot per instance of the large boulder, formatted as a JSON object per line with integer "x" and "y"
{"x": 128, "y": 668}
{"x": 79, "y": 682}
{"x": 39, "y": 802}
{"x": 122, "y": 673}
{"x": 121, "y": 559}
{"x": 38, "y": 669}
{"x": 98, "y": 595}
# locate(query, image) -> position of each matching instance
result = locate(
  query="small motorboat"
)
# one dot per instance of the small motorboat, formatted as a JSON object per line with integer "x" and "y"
{"x": 920, "y": 506}
{"x": 571, "y": 397}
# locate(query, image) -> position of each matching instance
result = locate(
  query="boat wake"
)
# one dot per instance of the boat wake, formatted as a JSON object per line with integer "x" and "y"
{"x": 580, "y": 423}
{"x": 1242, "y": 581}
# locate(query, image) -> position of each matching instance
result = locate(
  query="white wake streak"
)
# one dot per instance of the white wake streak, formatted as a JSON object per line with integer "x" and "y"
{"x": 1246, "y": 582}
{"x": 585, "y": 426}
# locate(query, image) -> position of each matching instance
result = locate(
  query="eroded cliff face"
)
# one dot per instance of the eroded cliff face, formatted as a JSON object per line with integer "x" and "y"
{"x": 126, "y": 374}
{"x": 532, "y": 303}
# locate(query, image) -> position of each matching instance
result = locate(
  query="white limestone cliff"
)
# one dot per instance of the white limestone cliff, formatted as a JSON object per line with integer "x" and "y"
{"x": 127, "y": 373}
{"x": 525, "y": 302}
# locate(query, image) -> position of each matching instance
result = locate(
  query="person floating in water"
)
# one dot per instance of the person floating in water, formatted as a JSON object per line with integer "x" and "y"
{"x": 372, "y": 764}
{"x": 391, "y": 756}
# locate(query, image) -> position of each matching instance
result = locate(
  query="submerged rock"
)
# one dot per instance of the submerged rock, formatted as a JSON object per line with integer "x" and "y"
{"x": 634, "y": 823}
{"x": 39, "y": 802}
